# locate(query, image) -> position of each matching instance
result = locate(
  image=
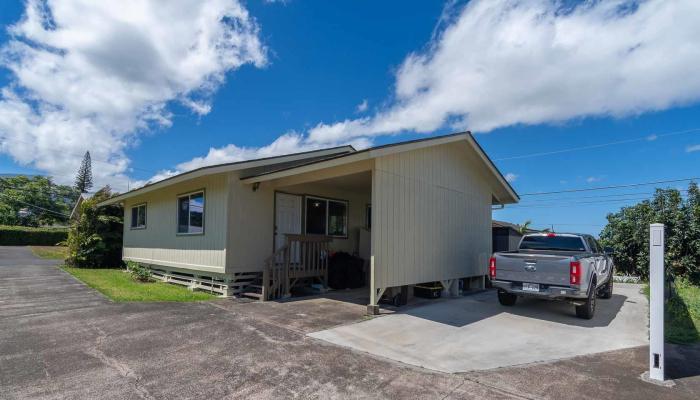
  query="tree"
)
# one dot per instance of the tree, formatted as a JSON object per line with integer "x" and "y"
{"x": 95, "y": 237}
{"x": 34, "y": 201}
{"x": 525, "y": 227}
{"x": 627, "y": 232}
{"x": 83, "y": 181}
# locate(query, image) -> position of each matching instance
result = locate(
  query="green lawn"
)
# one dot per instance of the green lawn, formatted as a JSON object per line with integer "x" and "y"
{"x": 119, "y": 286}
{"x": 682, "y": 314}
{"x": 50, "y": 252}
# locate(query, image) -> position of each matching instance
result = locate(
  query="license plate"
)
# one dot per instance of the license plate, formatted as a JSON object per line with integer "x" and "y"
{"x": 531, "y": 287}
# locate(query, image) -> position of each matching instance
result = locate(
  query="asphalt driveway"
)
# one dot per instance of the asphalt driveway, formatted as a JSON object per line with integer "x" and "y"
{"x": 475, "y": 332}
{"x": 61, "y": 340}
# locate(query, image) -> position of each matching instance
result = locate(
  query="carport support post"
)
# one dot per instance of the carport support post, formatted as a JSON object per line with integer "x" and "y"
{"x": 656, "y": 302}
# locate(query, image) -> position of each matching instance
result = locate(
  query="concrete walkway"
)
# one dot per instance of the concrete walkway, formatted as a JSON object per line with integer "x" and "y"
{"x": 476, "y": 333}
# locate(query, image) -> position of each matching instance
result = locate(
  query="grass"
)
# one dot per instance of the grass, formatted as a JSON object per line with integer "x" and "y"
{"x": 118, "y": 285}
{"x": 682, "y": 314}
{"x": 50, "y": 252}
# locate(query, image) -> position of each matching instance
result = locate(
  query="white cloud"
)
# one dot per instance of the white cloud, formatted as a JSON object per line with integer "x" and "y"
{"x": 511, "y": 177}
{"x": 290, "y": 142}
{"x": 593, "y": 179}
{"x": 503, "y": 62}
{"x": 495, "y": 63}
{"x": 690, "y": 149}
{"x": 92, "y": 75}
{"x": 362, "y": 107}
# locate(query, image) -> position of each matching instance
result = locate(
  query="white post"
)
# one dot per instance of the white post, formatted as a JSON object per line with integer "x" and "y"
{"x": 656, "y": 302}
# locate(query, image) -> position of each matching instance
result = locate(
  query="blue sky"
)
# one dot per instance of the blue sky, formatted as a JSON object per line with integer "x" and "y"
{"x": 320, "y": 60}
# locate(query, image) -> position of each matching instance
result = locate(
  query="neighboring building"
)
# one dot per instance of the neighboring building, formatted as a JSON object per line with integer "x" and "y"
{"x": 262, "y": 226}
{"x": 505, "y": 236}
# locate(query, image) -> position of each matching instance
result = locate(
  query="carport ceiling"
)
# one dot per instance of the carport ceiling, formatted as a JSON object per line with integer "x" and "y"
{"x": 361, "y": 181}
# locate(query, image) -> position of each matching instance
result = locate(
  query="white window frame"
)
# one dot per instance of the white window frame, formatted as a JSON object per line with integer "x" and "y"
{"x": 327, "y": 201}
{"x": 189, "y": 215}
{"x": 145, "y": 216}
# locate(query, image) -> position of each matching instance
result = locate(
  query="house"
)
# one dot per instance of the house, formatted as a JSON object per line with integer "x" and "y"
{"x": 418, "y": 211}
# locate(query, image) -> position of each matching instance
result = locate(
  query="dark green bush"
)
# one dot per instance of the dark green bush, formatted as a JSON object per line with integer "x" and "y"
{"x": 95, "y": 237}
{"x": 26, "y": 236}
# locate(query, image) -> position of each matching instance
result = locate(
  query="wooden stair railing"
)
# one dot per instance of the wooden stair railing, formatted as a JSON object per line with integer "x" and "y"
{"x": 303, "y": 256}
{"x": 275, "y": 274}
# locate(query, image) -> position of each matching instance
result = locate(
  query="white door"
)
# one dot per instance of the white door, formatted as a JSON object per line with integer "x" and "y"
{"x": 287, "y": 217}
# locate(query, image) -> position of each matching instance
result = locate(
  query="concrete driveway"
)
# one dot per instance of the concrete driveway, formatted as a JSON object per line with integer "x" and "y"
{"x": 476, "y": 333}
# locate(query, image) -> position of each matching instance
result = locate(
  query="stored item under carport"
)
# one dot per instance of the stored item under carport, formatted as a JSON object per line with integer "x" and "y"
{"x": 430, "y": 290}
{"x": 345, "y": 271}
{"x": 395, "y": 296}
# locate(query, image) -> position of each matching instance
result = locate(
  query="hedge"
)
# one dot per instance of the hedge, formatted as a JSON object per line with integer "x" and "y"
{"x": 26, "y": 236}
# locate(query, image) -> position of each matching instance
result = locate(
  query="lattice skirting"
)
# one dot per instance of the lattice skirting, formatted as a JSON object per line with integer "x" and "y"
{"x": 226, "y": 286}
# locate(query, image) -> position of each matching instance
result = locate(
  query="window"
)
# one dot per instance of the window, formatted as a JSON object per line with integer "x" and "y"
{"x": 138, "y": 216}
{"x": 593, "y": 245}
{"x": 553, "y": 243}
{"x": 190, "y": 213}
{"x": 326, "y": 217}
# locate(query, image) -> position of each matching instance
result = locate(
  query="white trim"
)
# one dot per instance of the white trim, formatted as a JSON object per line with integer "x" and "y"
{"x": 185, "y": 267}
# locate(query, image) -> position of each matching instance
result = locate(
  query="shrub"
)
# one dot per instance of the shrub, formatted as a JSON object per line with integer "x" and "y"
{"x": 138, "y": 271}
{"x": 26, "y": 236}
{"x": 95, "y": 237}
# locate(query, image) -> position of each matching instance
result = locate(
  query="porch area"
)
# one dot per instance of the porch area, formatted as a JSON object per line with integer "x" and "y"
{"x": 316, "y": 220}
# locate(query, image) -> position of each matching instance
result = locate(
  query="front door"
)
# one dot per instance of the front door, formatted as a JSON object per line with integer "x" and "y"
{"x": 287, "y": 217}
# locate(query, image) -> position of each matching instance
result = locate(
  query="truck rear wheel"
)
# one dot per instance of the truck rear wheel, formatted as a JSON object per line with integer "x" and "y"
{"x": 506, "y": 299}
{"x": 606, "y": 291}
{"x": 587, "y": 309}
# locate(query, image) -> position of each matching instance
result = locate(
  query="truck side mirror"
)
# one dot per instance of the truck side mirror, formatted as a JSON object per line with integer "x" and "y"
{"x": 608, "y": 250}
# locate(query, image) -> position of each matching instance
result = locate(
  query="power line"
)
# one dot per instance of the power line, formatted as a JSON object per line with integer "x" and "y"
{"x": 600, "y": 196}
{"x": 609, "y": 187}
{"x": 648, "y": 138}
{"x": 35, "y": 206}
{"x": 576, "y": 203}
{"x": 611, "y": 197}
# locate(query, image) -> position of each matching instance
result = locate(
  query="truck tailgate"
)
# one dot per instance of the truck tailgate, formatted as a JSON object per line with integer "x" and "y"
{"x": 534, "y": 268}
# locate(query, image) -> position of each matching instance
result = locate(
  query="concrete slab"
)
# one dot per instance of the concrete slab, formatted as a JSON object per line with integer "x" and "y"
{"x": 477, "y": 333}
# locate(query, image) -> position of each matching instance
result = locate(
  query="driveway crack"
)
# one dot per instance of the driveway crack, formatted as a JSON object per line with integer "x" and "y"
{"x": 500, "y": 389}
{"x": 122, "y": 368}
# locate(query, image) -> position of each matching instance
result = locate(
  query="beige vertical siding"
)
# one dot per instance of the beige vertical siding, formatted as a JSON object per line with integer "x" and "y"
{"x": 251, "y": 215}
{"x": 160, "y": 244}
{"x": 431, "y": 216}
{"x": 251, "y": 220}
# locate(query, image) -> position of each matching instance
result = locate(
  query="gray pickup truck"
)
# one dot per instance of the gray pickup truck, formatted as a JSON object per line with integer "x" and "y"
{"x": 555, "y": 266}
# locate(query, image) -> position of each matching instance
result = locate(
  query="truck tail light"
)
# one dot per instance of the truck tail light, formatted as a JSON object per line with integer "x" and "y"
{"x": 575, "y": 272}
{"x": 492, "y": 267}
